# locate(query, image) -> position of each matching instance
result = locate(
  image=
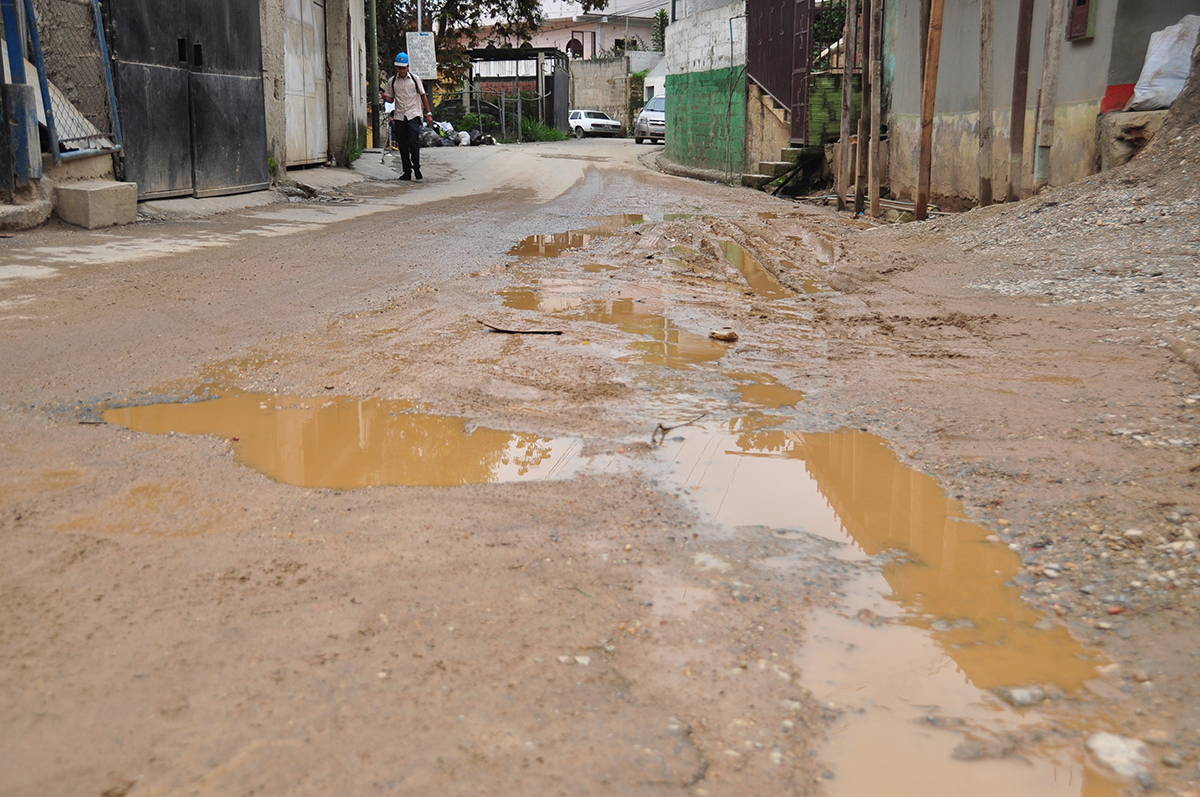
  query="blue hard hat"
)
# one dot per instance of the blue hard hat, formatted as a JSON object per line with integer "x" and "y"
{"x": 401, "y": 59}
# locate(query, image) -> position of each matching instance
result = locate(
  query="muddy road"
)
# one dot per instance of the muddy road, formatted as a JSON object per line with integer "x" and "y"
{"x": 280, "y": 514}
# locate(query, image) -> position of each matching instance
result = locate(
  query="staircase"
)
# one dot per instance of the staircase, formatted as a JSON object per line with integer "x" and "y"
{"x": 769, "y": 171}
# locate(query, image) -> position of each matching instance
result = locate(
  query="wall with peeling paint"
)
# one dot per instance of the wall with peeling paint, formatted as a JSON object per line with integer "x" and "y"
{"x": 1088, "y": 67}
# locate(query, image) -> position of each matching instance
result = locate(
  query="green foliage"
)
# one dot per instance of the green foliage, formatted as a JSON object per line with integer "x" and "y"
{"x": 272, "y": 166}
{"x": 468, "y": 122}
{"x": 533, "y": 130}
{"x": 828, "y": 25}
{"x": 356, "y": 147}
{"x": 658, "y": 31}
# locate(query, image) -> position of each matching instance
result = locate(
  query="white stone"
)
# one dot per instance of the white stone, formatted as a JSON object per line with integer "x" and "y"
{"x": 1125, "y": 756}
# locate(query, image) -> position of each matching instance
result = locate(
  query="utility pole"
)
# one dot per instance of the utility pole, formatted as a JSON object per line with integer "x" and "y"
{"x": 1016, "y": 129}
{"x": 986, "y": 17}
{"x": 865, "y": 120}
{"x": 928, "y": 95}
{"x": 373, "y": 74}
{"x": 1048, "y": 97}
{"x": 873, "y": 178}
{"x": 849, "y": 40}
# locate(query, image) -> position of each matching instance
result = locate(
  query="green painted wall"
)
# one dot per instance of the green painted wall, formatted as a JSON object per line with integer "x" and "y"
{"x": 706, "y": 127}
{"x": 825, "y": 107}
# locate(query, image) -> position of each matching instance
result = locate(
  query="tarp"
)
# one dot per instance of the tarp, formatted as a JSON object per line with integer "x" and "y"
{"x": 1168, "y": 60}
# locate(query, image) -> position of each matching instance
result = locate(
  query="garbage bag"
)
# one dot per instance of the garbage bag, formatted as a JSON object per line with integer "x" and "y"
{"x": 430, "y": 138}
{"x": 464, "y": 139}
{"x": 1168, "y": 60}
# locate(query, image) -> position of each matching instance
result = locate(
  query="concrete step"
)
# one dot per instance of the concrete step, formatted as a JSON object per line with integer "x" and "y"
{"x": 92, "y": 204}
{"x": 775, "y": 168}
{"x": 756, "y": 180}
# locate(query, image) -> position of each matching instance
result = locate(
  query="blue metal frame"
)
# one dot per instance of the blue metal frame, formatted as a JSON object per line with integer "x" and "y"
{"x": 16, "y": 70}
{"x": 47, "y": 106}
{"x": 108, "y": 78}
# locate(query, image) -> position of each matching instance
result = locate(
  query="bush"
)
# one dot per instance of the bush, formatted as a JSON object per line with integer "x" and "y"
{"x": 533, "y": 130}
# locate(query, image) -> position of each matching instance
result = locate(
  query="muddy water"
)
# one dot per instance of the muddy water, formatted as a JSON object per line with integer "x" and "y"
{"x": 345, "y": 443}
{"x": 925, "y": 626}
{"x": 762, "y": 282}
{"x": 555, "y": 244}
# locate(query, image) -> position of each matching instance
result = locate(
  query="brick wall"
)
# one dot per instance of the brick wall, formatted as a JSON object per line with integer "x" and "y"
{"x": 706, "y": 89}
{"x": 706, "y": 119}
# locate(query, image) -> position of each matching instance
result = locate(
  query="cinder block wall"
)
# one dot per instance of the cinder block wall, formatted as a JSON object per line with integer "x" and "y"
{"x": 602, "y": 84}
{"x": 706, "y": 89}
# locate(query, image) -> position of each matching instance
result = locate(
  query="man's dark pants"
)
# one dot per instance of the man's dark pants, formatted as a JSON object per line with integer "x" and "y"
{"x": 407, "y": 135}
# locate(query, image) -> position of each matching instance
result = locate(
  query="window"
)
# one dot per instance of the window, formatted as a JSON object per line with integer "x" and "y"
{"x": 1081, "y": 22}
{"x": 658, "y": 103}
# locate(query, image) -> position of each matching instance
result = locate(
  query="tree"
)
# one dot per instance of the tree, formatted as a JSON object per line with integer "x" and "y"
{"x": 658, "y": 31}
{"x": 457, "y": 25}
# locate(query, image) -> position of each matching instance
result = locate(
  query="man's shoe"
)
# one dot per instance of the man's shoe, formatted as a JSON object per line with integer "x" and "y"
{"x": 406, "y": 176}
{"x": 417, "y": 173}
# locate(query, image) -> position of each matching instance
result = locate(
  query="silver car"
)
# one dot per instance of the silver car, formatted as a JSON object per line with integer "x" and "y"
{"x": 651, "y": 123}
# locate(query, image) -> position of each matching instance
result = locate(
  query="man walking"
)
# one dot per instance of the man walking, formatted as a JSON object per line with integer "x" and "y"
{"x": 408, "y": 93}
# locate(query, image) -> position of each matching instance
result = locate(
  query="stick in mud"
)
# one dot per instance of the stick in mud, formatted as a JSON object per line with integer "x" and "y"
{"x": 522, "y": 331}
{"x": 660, "y": 431}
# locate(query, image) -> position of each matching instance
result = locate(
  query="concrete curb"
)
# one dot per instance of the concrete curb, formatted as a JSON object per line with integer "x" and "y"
{"x": 696, "y": 173}
{"x": 26, "y": 216}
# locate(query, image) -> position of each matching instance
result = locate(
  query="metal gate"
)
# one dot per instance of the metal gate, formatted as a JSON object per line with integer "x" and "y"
{"x": 779, "y": 54}
{"x": 188, "y": 77}
{"x": 306, "y": 105}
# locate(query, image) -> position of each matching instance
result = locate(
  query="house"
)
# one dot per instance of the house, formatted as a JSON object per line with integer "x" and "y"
{"x": 623, "y": 25}
{"x": 1103, "y": 45}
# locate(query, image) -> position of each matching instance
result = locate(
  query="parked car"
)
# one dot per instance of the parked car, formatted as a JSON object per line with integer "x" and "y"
{"x": 594, "y": 123}
{"x": 651, "y": 123}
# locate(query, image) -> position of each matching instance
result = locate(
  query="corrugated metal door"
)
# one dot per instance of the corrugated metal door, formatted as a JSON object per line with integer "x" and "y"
{"x": 801, "y": 68}
{"x": 189, "y": 91}
{"x": 306, "y": 104}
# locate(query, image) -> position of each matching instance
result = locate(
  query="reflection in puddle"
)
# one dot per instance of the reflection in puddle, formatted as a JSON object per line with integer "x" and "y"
{"x": 343, "y": 443}
{"x": 763, "y": 390}
{"x": 948, "y": 626}
{"x": 761, "y": 281}
{"x": 555, "y": 244}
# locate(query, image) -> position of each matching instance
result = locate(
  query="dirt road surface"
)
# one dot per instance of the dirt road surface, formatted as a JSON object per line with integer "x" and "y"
{"x": 279, "y": 515}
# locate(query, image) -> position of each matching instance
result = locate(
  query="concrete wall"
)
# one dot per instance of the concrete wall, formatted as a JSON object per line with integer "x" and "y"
{"x": 655, "y": 84}
{"x": 706, "y": 90}
{"x": 602, "y": 84}
{"x": 1087, "y": 69}
{"x": 346, "y": 62}
{"x": 768, "y": 127}
{"x": 270, "y": 14}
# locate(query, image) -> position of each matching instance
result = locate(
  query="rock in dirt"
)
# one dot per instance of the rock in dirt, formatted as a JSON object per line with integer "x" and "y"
{"x": 727, "y": 335}
{"x": 1021, "y": 696}
{"x": 1125, "y": 756}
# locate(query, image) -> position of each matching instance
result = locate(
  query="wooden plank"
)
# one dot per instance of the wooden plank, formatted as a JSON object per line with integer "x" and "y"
{"x": 1016, "y": 129}
{"x": 986, "y": 17}
{"x": 864, "y": 117}
{"x": 849, "y": 53}
{"x": 874, "y": 178}
{"x": 928, "y": 95}
{"x": 1048, "y": 97}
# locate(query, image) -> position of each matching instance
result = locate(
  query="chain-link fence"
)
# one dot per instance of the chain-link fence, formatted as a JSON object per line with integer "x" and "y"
{"x": 81, "y": 95}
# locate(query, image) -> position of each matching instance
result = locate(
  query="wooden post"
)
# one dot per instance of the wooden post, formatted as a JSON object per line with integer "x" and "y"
{"x": 928, "y": 94}
{"x": 876, "y": 102}
{"x": 986, "y": 16}
{"x": 1048, "y": 97}
{"x": 1016, "y": 127}
{"x": 849, "y": 36}
{"x": 864, "y": 118}
{"x": 923, "y": 27}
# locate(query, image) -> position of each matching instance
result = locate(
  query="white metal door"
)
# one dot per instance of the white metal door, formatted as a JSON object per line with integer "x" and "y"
{"x": 306, "y": 105}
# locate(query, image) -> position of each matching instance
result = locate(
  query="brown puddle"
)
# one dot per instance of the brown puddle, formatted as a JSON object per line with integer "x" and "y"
{"x": 920, "y": 635}
{"x": 555, "y": 244}
{"x": 761, "y": 281}
{"x": 763, "y": 390}
{"x": 344, "y": 443}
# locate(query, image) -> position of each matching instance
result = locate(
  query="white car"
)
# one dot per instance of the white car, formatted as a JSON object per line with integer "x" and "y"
{"x": 652, "y": 121}
{"x": 594, "y": 123}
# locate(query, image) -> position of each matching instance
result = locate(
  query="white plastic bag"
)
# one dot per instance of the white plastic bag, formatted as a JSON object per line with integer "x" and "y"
{"x": 464, "y": 139}
{"x": 1168, "y": 59}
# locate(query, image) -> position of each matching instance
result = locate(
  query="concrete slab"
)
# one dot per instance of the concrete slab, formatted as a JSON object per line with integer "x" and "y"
{"x": 25, "y": 216}
{"x": 370, "y": 166}
{"x": 324, "y": 178}
{"x": 93, "y": 204}
{"x": 1120, "y": 136}
{"x": 192, "y": 208}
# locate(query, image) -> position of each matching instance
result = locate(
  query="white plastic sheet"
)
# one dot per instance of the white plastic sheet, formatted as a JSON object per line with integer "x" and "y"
{"x": 1168, "y": 59}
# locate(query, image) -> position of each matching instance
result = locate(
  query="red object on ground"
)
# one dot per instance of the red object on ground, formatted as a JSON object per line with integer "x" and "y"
{"x": 1116, "y": 97}
{"x": 1116, "y": 609}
